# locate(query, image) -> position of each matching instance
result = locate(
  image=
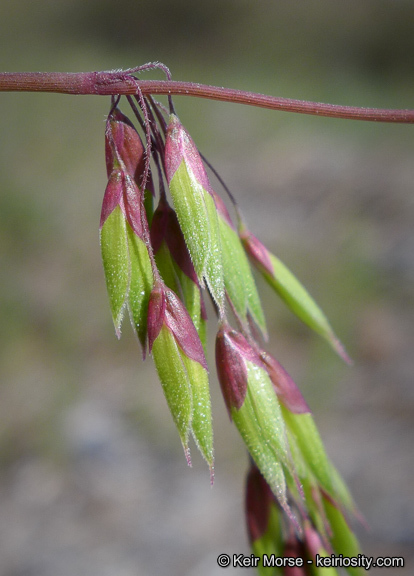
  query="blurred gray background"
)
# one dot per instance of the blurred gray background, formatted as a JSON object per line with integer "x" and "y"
{"x": 92, "y": 476}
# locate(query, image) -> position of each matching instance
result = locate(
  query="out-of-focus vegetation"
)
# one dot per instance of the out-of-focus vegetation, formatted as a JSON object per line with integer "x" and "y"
{"x": 87, "y": 448}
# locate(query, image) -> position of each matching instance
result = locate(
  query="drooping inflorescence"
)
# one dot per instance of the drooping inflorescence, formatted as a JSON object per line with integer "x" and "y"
{"x": 162, "y": 255}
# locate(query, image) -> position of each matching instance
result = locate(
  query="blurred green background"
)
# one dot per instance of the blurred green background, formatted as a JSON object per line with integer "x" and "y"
{"x": 92, "y": 476}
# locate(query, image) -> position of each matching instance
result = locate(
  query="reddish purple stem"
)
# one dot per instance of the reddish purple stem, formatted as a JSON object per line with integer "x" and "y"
{"x": 123, "y": 82}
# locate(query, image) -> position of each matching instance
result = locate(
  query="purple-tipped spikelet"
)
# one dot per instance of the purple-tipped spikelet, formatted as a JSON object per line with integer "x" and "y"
{"x": 180, "y": 361}
{"x": 288, "y": 287}
{"x": 254, "y": 408}
{"x": 127, "y": 266}
{"x": 194, "y": 204}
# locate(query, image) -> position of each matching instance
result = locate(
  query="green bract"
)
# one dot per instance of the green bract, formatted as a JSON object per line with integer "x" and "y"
{"x": 290, "y": 290}
{"x": 201, "y": 426}
{"x": 189, "y": 203}
{"x": 191, "y": 297}
{"x": 238, "y": 279}
{"x": 342, "y": 538}
{"x": 114, "y": 249}
{"x": 260, "y": 423}
{"x": 141, "y": 282}
{"x": 179, "y": 357}
{"x": 214, "y": 265}
{"x": 300, "y": 302}
{"x": 311, "y": 461}
{"x": 303, "y": 429}
{"x": 166, "y": 268}
{"x": 174, "y": 379}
